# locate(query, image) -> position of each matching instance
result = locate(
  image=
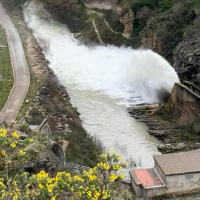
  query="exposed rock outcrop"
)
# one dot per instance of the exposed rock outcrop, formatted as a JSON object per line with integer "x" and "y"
{"x": 163, "y": 32}
{"x": 177, "y": 147}
{"x": 127, "y": 20}
{"x": 163, "y": 130}
{"x": 187, "y": 58}
{"x": 175, "y": 137}
{"x": 46, "y": 155}
{"x": 68, "y": 11}
{"x": 152, "y": 42}
{"x": 41, "y": 153}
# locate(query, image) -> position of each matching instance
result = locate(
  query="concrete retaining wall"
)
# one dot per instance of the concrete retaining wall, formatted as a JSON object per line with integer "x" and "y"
{"x": 184, "y": 100}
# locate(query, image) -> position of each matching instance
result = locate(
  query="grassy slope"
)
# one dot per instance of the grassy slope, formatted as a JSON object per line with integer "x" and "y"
{"x": 5, "y": 69}
{"x": 35, "y": 82}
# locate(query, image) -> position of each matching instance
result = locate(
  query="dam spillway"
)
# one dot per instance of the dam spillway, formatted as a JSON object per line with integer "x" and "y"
{"x": 103, "y": 81}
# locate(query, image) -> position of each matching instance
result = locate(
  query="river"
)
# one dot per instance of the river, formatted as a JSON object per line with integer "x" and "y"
{"x": 103, "y": 81}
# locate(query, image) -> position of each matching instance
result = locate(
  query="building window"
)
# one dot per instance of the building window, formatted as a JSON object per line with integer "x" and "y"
{"x": 189, "y": 176}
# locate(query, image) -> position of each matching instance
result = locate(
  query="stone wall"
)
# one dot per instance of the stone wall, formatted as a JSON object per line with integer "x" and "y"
{"x": 184, "y": 100}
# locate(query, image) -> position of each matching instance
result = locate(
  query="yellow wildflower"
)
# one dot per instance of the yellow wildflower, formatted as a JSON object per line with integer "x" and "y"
{"x": 121, "y": 176}
{"x": 13, "y": 145}
{"x": 96, "y": 196}
{"x": 53, "y": 198}
{"x": 119, "y": 158}
{"x": 21, "y": 153}
{"x": 50, "y": 187}
{"x": 42, "y": 175}
{"x": 14, "y": 183}
{"x": 15, "y": 135}
{"x": 2, "y": 184}
{"x": 105, "y": 194}
{"x": 116, "y": 167}
{"x": 40, "y": 186}
{"x": 89, "y": 193}
{"x": 106, "y": 166}
{"x": 27, "y": 192}
{"x": 3, "y": 152}
{"x": 93, "y": 177}
{"x": 15, "y": 197}
{"x": 112, "y": 177}
{"x": 3, "y": 132}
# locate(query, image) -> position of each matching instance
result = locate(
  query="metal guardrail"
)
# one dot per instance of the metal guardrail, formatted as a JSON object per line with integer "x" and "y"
{"x": 76, "y": 167}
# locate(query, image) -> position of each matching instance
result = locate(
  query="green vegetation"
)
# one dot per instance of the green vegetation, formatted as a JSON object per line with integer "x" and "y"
{"x": 82, "y": 149}
{"x": 98, "y": 183}
{"x": 5, "y": 69}
{"x": 159, "y": 5}
{"x": 36, "y": 82}
{"x": 25, "y": 128}
{"x": 20, "y": 3}
{"x": 164, "y": 114}
{"x": 191, "y": 132}
{"x": 113, "y": 21}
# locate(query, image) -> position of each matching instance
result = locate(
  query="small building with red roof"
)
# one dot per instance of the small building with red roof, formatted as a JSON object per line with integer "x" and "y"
{"x": 172, "y": 174}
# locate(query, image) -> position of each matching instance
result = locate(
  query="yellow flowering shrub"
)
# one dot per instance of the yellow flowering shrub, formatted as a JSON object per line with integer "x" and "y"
{"x": 98, "y": 183}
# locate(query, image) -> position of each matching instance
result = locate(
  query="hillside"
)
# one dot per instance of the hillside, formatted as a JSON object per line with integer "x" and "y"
{"x": 169, "y": 27}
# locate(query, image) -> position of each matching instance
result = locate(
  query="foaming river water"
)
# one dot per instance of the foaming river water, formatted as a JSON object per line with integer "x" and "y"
{"x": 103, "y": 81}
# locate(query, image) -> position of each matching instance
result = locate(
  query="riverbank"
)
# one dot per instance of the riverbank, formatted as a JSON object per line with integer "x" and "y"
{"x": 164, "y": 126}
{"x": 47, "y": 98}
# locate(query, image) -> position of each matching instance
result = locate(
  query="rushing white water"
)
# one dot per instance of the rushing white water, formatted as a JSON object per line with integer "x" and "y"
{"x": 102, "y": 82}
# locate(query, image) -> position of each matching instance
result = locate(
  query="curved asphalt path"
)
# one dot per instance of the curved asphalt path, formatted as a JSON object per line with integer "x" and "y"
{"x": 20, "y": 69}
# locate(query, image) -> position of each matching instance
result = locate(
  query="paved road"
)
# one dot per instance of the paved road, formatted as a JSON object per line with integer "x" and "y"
{"x": 20, "y": 70}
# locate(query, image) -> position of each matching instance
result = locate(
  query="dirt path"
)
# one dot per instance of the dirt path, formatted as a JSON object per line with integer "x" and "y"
{"x": 97, "y": 32}
{"x": 20, "y": 70}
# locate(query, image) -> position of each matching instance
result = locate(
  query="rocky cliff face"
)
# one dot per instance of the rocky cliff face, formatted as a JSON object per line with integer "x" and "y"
{"x": 161, "y": 26}
{"x": 68, "y": 11}
{"x": 127, "y": 20}
{"x": 187, "y": 58}
{"x": 164, "y": 31}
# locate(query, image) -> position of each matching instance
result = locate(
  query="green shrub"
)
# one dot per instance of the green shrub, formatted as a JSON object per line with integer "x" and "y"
{"x": 25, "y": 128}
{"x": 98, "y": 183}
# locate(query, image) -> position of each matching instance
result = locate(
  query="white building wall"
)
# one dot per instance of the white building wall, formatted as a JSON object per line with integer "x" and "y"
{"x": 136, "y": 188}
{"x": 160, "y": 172}
{"x": 181, "y": 183}
{"x": 156, "y": 192}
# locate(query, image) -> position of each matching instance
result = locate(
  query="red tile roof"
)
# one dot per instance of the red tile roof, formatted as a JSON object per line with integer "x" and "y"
{"x": 147, "y": 178}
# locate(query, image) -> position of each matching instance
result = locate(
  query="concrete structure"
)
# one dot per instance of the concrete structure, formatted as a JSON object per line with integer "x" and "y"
{"x": 43, "y": 127}
{"x": 175, "y": 173}
{"x": 185, "y": 99}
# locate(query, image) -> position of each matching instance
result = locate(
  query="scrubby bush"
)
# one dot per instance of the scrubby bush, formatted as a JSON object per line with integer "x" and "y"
{"x": 25, "y": 128}
{"x": 98, "y": 183}
{"x": 21, "y": 2}
{"x": 160, "y": 5}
